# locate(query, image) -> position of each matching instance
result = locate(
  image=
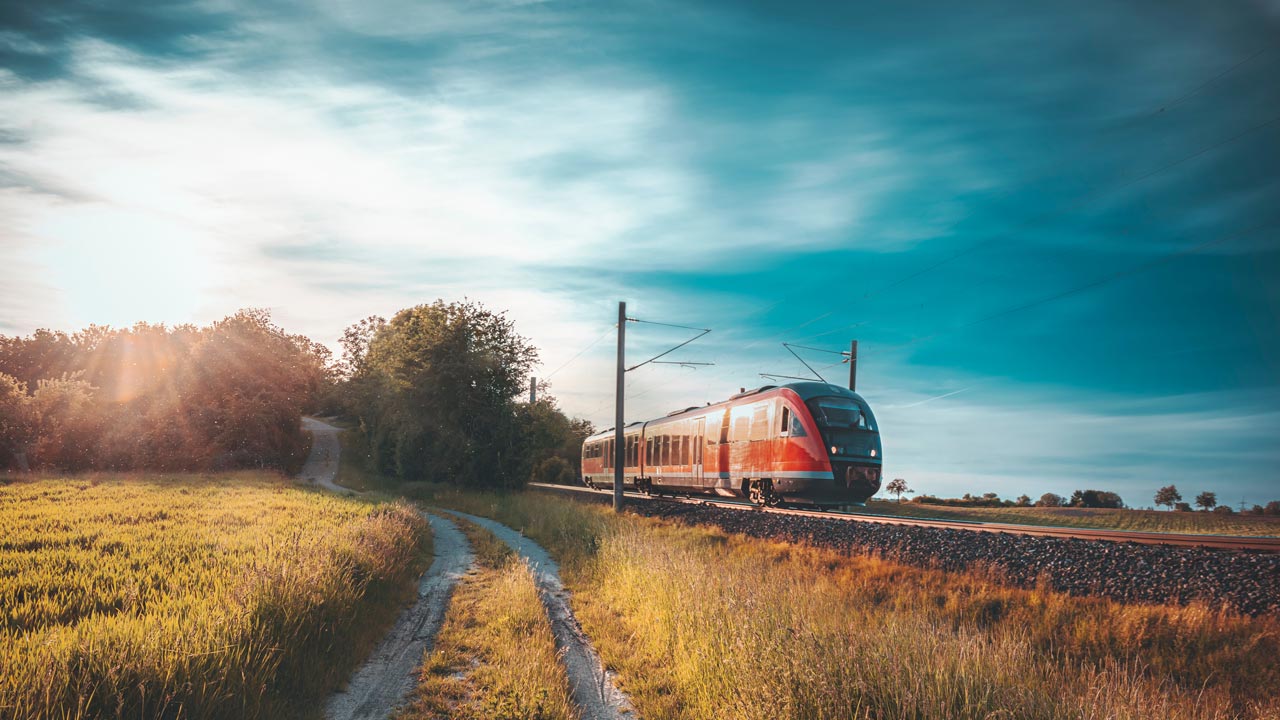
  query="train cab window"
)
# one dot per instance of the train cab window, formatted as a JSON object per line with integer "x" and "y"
{"x": 784, "y": 428}
{"x": 797, "y": 428}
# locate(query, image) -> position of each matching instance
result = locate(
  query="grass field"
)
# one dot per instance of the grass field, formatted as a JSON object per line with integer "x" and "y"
{"x": 228, "y": 596}
{"x": 703, "y": 625}
{"x": 495, "y": 657}
{"x": 1101, "y": 518}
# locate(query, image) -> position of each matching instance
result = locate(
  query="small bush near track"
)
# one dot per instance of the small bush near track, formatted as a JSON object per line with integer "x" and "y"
{"x": 233, "y": 596}
{"x": 495, "y": 656}
{"x": 700, "y": 624}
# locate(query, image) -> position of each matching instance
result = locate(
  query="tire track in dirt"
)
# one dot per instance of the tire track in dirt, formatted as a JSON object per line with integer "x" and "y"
{"x": 591, "y": 685}
{"x": 386, "y": 678}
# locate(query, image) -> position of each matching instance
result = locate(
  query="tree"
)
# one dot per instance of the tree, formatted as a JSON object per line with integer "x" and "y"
{"x": 1168, "y": 495}
{"x": 1181, "y": 507}
{"x": 898, "y": 486}
{"x": 1223, "y": 510}
{"x": 1207, "y": 500}
{"x": 1096, "y": 499}
{"x": 435, "y": 391}
{"x": 1050, "y": 500}
{"x": 16, "y": 420}
{"x": 1272, "y": 508}
{"x": 1023, "y": 501}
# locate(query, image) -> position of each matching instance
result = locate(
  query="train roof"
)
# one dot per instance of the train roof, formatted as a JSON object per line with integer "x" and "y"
{"x": 806, "y": 390}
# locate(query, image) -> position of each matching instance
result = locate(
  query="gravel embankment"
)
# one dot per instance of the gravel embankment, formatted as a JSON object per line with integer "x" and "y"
{"x": 1247, "y": 582}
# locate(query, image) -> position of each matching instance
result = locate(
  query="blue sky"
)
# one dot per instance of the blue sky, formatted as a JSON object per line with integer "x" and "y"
{"x": 1053, "y": 227}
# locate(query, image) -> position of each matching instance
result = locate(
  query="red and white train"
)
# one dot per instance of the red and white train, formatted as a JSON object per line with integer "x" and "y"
{"x": 802, "y": 443}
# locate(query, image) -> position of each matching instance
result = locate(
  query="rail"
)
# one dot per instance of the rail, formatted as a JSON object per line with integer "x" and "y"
{"x": 1217, "y": 542}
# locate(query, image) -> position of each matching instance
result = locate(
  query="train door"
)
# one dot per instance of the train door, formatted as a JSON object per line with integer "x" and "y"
{"x": 699, "y": 430}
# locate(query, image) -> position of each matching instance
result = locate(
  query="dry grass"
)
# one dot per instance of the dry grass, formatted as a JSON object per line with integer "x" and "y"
{"x": 703, "y": 625}
{"x": 1100, "y": 518}
{"x": 226, "y": 596}
{"x": 495, "y": 657}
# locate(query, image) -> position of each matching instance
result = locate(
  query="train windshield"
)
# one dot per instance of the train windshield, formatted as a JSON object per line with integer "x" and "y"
{"x": 840, "y": 413}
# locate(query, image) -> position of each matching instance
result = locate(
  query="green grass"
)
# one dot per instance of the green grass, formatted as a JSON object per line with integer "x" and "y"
{"x": 495, "y": 656}
{"x": 1100, "y": 518}
{"x": 225, "y": 596}
{"x": 700, "y": 624}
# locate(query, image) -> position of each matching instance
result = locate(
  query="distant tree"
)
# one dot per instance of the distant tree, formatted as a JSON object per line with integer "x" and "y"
{"x": 1096, "y": 499}
{"x": 1168, "y": 495}
{"x": 1023, "y": 501}
{"x": 1223, "y": 510}
{"x": 1207, "y": 500}
{"x": 1182, "y": 507}
{"x": 990, "y": 496}
{"x": 1050, "y": 500}
{"x": 898, "y": 486}
{"x": 1272, "y": 508}
{"x": 1256, "y": 510}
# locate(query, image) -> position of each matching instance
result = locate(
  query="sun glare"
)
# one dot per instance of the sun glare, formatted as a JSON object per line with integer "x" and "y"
{"x": 149, "y": 269}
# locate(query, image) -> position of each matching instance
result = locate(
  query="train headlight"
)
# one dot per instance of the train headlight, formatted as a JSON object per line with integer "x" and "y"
{"x": 873, "y": 452}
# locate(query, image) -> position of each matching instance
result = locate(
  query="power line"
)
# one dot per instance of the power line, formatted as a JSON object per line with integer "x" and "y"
{"x": 580, "y": 352}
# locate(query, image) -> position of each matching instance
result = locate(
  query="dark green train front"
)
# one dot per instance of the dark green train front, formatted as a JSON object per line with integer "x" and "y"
{"x": 851, "y": 438}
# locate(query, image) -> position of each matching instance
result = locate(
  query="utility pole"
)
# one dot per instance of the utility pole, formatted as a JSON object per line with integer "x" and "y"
{"x": 533, "y": 389}
{"x": 619, "y": 445}
{"x": 853, "y": 365}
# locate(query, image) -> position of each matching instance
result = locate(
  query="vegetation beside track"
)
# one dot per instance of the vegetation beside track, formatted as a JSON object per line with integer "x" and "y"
{"x": 1094, "y": 518}
{"x": 700, "y": 624}
{"x": 227, "y": 596}
{"x": 495, "y": 656}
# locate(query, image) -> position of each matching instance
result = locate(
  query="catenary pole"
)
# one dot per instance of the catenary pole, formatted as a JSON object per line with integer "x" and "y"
{"x": 853, "y": 365}
{"x": 619, "y": 446}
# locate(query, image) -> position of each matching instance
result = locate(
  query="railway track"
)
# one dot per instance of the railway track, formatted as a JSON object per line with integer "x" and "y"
{"x": 1216, "y": 542}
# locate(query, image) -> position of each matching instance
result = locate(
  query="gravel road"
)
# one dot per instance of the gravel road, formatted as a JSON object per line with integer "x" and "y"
{"x": 591, "y": 685}
{"x": 322, "y": 464}
{"x": 387, "y": 677}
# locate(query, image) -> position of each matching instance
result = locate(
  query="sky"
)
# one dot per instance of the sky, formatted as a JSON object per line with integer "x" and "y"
{"x": 1054, "y": 228}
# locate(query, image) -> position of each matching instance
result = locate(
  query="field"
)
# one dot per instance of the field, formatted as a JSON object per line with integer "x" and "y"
{"x": 1100, "y": 518}
{"x": 228, "y": 596}
{"x": 700, "y": 624}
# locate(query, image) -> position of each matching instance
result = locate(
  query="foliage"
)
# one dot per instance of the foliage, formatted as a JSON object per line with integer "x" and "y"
{"x": 152, "y": 397}
{"x": 898, "y": 486}
{"x": 1168, "y": 496}
{"x": 435, "y": 392}
{"x": 234, "y": 596}
{"x": 1182, "y": 507}
{"x": 1207, "y": 500}
{"x": 1096, "y": 499}
{"x": 1272, "y": 508}
{"x": 1050, "y": 500}
{"x": 1223, "y": 510}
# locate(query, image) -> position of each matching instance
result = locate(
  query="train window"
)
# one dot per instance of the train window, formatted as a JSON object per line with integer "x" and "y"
{"x": 785, "y": 426}
{"x": 724, "y": 429}
{"x": 666, "y": 450}
{"x": 760, "y": 422}
{"x": 681, "y": 459}
{"x": 797, "y": 428}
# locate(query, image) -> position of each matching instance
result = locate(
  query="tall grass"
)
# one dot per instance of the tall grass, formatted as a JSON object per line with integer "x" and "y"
{"x": 495, "y": 656}
{"x": 700, "y": 624}
{"x": 191, "y": 597}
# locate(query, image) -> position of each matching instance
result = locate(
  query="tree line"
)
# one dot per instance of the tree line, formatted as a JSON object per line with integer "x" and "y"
{"x": 226, "y": 395}
{"x": 436, "y": 391}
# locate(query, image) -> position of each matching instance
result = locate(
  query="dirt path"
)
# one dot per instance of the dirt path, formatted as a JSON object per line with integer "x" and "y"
{"x": 591, "y": 685}
{"x": 386, "y": 678}
{"x": 322, "y": 464}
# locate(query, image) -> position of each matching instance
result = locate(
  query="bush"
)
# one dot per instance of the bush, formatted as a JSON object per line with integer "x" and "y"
{"x": 1096, "y": 499}
{"x": 1223, "y": 510}
{"x": 1050, "y": 500}
{"x": 1182, "y": 507}
{"x": 554, "y": 470}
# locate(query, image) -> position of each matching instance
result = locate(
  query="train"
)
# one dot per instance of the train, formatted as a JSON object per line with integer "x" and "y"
{"x": 803, "y": 443}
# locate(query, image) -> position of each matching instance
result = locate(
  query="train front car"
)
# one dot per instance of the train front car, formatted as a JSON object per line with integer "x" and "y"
{"x": 851, "y": 442}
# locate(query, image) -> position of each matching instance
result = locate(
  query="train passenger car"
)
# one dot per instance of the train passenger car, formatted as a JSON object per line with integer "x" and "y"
{"x": 802, "y": 443}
